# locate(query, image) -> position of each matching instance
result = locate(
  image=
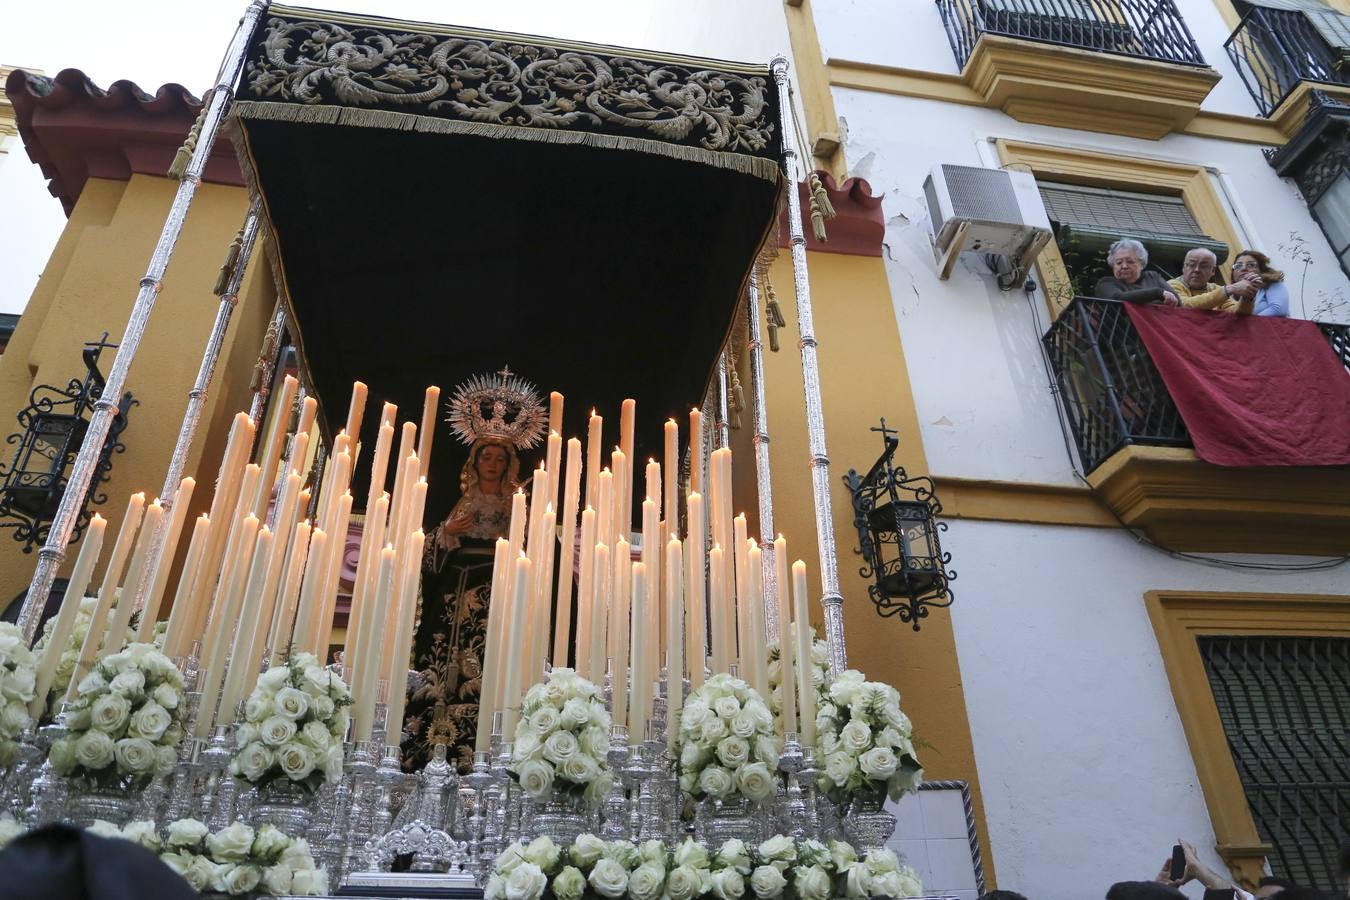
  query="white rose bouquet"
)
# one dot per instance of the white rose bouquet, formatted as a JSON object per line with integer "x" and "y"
{"x": 18, "y": 673}
{"x": 820, "y": 674}
{"x": 294, "y": 723}
{"x": 10, "y": 828}
{"x": 562, "y": 740}
{"x": 864, "y": 740}
{"x": 591, "y": 868}
{"x": 127, "y": 719}
{"x": 727, "y": 743}
{"x": 70, "y": 654}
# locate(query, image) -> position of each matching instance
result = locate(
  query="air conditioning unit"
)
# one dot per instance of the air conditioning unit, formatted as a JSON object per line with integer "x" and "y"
{"x": 986, "y": 210}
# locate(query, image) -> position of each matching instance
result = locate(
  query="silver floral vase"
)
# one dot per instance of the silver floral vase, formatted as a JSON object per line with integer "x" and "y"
{"x": 562, "y": 817}
{"x": 284, "y": 804}
{"x": 722, "y": 820}
{"x": 866, "y": 821}
{"x": 112, "y": 801}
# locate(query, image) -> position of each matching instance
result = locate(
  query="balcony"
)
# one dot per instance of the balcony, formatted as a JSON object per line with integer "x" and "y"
{"x": 1280, "y": 54}
{"x": 1126, "y": 67}
{"x": 1137, "y": 452}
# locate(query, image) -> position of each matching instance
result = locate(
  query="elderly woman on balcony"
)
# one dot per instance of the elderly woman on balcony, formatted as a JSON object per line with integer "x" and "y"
{"x": 1128, "y": 281}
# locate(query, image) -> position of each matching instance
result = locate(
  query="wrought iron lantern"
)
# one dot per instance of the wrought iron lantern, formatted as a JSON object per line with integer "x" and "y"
{"x": 54, "y": 422}
{"x": 896, "y": 517}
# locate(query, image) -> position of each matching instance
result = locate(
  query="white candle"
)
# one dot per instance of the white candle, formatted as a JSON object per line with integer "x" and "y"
{"x": 787, "y": 679}
{"x": 372, "y": 529}
{"x": 492, "y": 660}
{"x": 670, "y": 511}
{"x": 518, "y": 522}
{"x": 605, "y": 511}
{"x": 543, "y": 592}
{"x": 246, "y": 653}
{"x": 586, "y": 610}
{"x": 600, "y": 615}
{"x": 278, "y": 423}
{"x": 308, "y": 409}
{"x": 357, "y": 411}
{"x": 593, "y": 451}
{"x": 431, "y": 402}
{"x": 674, "y": 637}
{"x": 695, "y": 585}
{"x": 180, "y": 612}
{"x": 90, "y": 547}
{"x": 802, "y": 626}
{"x": 398, "y": 681}
{"x": 553, "y": 463}
{"x": 642, "y": 690}
{"x": 219, "y": 637}
{"x": 651, "y": 560}
{"x": 555, "y": 411}
{"x": 695, "y": 451}
{"x": 126, "y": 539}
{"x": 619, "y": 630}
{"x": 364, "y": 605}
{"x": 319, "y": 625}
{"x": 367, "y": 679}
{"x": 520, "y": 587}
{"x": 208, "y": 593}
{"x": 721, "y": 650}
{"x": 755, "y": 649}
{"x": 741, "y": 547}
{"x": 654, "y": 485}
{"x": 163, "y": 562}
{"x": 280, "y": 633}
{"x": 309, "y": 633}
{"x": 627, "y": 420}
{"x": 563, "y": 617}
{"x": 620, "y": 516}
{"x": 126, "y": 603}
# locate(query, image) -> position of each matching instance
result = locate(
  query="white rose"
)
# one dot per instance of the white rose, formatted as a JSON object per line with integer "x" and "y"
{"x": 129, "y": 684}
{"x": 586, "y": 849}
{"x": 691, "y": 854}
{"x": 166, "y": 696}
{"x": 622, "y": 852}
{"x": 109, "y": 713}
{"x": 276, "y": 730}
{"x": 276, "y": 880}
{"x": 181, "y": 862}
{"x": 839, "y": 767}
{"x": 578, "y": 769}
{"x": 878, "y": 763}
{"x": 92, "y": 683}
{"x": 595, "y": 742}
{"x": 545, "y": 720}
{"x": 316, "y": 735}
{"x": 646, "y": 882}
{"x": 728, "y": 884}
{"x": 778, "y": 850}
{"x": 298, "y": 856}
{"x": 733, "y": 751}
{"x": 842, "y": 855}
{"x": 296, "y": 760}
{"x": 332, "y": 762}
{"x": 569, "y": 884}
{"x": 694, "y": 714}
{"x": 258, "y": 706}
{"x": 811, "y": 883}
{"x": 855, "y": 737}
{"x": 726, "y": 707}
{"x": 201, "y": 873}
{"x": 684, "y": 883}
{"x": 767, "y": 882}
{"x": 252, "y": 761}
{"x": 714, "y": 729}
{"x": 105, "y": 829}
{"x": 232, "y": 843}
{"x": 165, "y": 760}
{"x": 542, "y": 852}
{"x": 142, "y": 832}
{"x": 269, "y": 841}
{"x": 94, "y": 750}
{"x": 310, "y": 883}
{"x": 274, "y": 679}
{"x": 560, "y": 747}
{"x": 135, "y": 756}
{"x": 598, "y": 789}
{"x": 856, "y": 881}
{"x": 62, "y": 756}
{"x": 291, "y": 703}
{"x": 149, "y": 722}
{"x": 715, "y": 782}
{"x": 238, "y": 879}
{"x": 745, "y": 723}
{"x": 735, "y": 854}
{"x": 609, "y": 879}
{"x": 13, "y": 719}
{"x": 766, "y": 750}
{"x": 323, "y": 707}
{"x": 756, "y": 782}
{"x": 536, "y": 778}
{"x": 575, "y": 713}
{"x": 77, "y": 719}
{"x": 186, "y": 833}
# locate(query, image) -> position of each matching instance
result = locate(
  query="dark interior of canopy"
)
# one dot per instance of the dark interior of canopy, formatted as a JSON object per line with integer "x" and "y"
{"x": 412, "y": 259}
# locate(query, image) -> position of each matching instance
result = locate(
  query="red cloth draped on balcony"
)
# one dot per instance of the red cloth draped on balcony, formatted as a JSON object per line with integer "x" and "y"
{"x": 1253, "y": 391}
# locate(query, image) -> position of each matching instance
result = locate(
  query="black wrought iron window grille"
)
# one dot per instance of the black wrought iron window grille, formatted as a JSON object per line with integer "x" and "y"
{"x": 54, "y": 424}
{"x": 1274, "y": 50}
{"x": 1284, "y": 703}
{"x": 1146, "y": 29}
{"x": 1111, "y": 392}
{"x": 898, "y": 534}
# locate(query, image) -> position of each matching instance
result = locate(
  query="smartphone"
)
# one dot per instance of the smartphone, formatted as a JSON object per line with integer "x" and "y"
{"x": 1178, "y": 863}
{"x": 1220, "y": 894}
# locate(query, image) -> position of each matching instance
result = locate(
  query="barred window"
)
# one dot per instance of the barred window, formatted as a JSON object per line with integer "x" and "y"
{"x": 1285, "y": 707}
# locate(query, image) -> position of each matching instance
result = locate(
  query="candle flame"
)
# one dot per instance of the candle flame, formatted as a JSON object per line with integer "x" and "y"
{"x": 139, "y": 495}
{"x": 780, "y": 536}
{"x": 100, "y": 518}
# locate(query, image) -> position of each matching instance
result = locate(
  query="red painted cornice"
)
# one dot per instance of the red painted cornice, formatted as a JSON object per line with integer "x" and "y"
{"x": 75, "y": 130}
{"x": 858, "y": 226}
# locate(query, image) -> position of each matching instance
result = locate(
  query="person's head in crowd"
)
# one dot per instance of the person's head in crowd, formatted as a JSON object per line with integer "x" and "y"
{"x": 59, "y": 862}
{"x": 1199, "y": 268}
{"x": 1298, "y": 892}
{"x": 1253, "y": 263}
{"x": 1270, "y": 886}
{"x": 1127, "y": 258}
{"x": 1143, "y": 890}
{"x": 1002, "y": 895}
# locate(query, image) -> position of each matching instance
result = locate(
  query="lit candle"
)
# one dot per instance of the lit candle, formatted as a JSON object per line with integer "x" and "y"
{"x": 538, "y": 500}
{"x": 754, "y": 649}
{"x": 309, "y": 625}
{"x": 126, "y": 539}
{"x": 553, "y": 458}
{"x": 245, "y": 655}
{"x": 372, "y": 529}
{"x": 695, "y": 450}
{"x": 208, "y": 590}
{"x": 366, "y": 681}
{"x": 563, "y": 615}
{"x": 431, "y": 402}
{"x": 320, "y": 626}
{"x": 718, "y": 526}
{"x": 517, "y": 527}
{"x": 802, "y": 627}
{"x": 180, "y": 612}
{"x": 520, "y": 587}
{"x": 619, "y": 516}
{"x": 651, "y": 561}
{"x": 619, "y": 636}
{"x": 741, "y": 549}
{"x": 641, "y": 702}
{"x": 407, "y": 608}
{"x": 90, "y": 547}
{"x": 543, "y": 592}
{"x": 593, "y": 451}
{"x": 357, "y": 411}
{"x": 308, "y": 409}
{"x": 605, "y": 511}
{"x": 278, "y": 422}
{"x": 586, "y": 611}
{"x": 281, "y": 633}
{"x": 670, "y": 511}
{"x": 695, "y": 589}
{"x": 555, "y": 411}
{"x": 218, "y": 637}
{"x": 627, "y": 419}
{"x": 674, "y": 637}
{"x": 787, "y": 680}
{"x": 126, "y": 603}
{"x": 163, "y": 562}
{"x": 366, "y": 607}
{"x": 654, "y": 484}
{"x": 721, "y": 652}
{"x": 600, "y": 613}
{"x": 487, "y": 695}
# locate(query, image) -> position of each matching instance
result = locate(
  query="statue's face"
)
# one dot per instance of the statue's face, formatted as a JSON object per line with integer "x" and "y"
{"x": 491, "y": 463}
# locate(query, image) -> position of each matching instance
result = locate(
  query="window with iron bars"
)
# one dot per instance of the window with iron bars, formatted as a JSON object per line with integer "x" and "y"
{"x": 1285, "y": 707}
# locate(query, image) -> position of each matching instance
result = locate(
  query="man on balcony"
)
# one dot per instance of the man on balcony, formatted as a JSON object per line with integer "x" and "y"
{"x": 1128, "y": 281}
{"x": 1197, "y": 291}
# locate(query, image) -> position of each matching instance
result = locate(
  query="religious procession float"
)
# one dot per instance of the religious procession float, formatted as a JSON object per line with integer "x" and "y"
{"x": 587, "y": 678}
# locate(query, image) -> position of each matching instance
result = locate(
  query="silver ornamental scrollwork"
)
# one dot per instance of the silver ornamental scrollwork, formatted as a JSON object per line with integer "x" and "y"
{"x": 509, "y": 83}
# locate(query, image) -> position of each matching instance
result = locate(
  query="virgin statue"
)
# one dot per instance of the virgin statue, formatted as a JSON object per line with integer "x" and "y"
{"x": 498, "y": 416}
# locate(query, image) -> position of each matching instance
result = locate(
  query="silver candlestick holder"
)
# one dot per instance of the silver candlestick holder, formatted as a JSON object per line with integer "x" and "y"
{"x": 614, "y": 808}
{"x": 221, "y": 791}
{"x": 361, "y": 812}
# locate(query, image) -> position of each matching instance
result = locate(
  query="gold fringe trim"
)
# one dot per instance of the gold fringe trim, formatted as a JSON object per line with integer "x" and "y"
{"x": 396, "y": 121}
{"x": 821, "y": 207}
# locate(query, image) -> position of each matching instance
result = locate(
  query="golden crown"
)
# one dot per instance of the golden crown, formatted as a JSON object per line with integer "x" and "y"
{"x": 501, "y": 405}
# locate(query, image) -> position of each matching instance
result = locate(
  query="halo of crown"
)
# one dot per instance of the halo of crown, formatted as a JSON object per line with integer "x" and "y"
{"x": 501, "y": 405}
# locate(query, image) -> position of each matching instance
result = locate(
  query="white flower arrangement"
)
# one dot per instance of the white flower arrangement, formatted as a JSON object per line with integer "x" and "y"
{"x": 562, "y": 739}
{"x": 864, "y": 741}
{"x": 10, "y": 828}
{"x": 70, "y": 653}
{"x": 236, "y": 860}
{"x": 294, "y": 723}
{"x": 727, "y": 743}
{"x": 778, "y": 868}
{"x": 18, "y": 674}
{"x": 127, "y": 719}
{"x": 820, "y": 674}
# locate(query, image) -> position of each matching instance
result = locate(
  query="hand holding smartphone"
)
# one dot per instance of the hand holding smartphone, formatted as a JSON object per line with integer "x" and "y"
{"x": 1178, "y": 869}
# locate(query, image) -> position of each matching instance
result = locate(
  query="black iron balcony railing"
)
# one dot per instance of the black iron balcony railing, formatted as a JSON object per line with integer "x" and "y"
{"x": 1109, "y": 387}
{"x": 1275, "y": 49}
{"x": 1148, "y": 29}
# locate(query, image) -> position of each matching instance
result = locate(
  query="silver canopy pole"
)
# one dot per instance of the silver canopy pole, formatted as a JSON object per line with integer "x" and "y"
{"x": 763, "y": 477}
{"x": 832, "y": 601}
{"x": 82, "y": 472}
